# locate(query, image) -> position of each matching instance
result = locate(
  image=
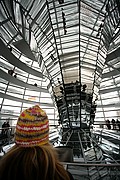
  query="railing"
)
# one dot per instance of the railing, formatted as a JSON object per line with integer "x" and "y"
{"x": 91, "y": 171}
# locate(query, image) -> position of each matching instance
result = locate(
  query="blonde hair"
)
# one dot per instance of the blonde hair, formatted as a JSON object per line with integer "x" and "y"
{"x": 39, "y": 163}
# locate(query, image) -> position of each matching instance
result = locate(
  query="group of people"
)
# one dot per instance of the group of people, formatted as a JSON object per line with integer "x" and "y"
{"x": 32, "y": 156}
{"x": 6, "y": 131}
{"x": 5, "y": 128}
{"x": 12, "y": 73}
{"x": 114, "y": 124}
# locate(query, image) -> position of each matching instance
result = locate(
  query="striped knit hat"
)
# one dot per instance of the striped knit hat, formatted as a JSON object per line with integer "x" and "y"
{"x": 32, "y": 128}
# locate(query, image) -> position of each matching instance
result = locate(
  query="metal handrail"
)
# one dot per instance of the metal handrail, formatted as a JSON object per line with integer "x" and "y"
{"x": 92, "y": 170}
{"x": 91, "y": 164}
{"x": 102, "y": 149}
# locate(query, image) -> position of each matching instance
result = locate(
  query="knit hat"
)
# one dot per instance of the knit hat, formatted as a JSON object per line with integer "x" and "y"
{"x": 32, "y": 128}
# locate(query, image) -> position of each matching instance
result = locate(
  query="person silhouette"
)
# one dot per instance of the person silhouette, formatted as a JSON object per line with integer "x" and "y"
{"x": 10, "y": 71}
{"x": 3, "y": 128}
{"x": 113, "y": 123}
{"x": 108, "y": 124}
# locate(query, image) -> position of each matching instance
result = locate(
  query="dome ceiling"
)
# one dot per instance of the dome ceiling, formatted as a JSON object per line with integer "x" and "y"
{"x": 69, "y": 39}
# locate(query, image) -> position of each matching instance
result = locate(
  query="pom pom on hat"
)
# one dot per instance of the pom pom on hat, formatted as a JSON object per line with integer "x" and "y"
{"x": 32, "y": 128}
